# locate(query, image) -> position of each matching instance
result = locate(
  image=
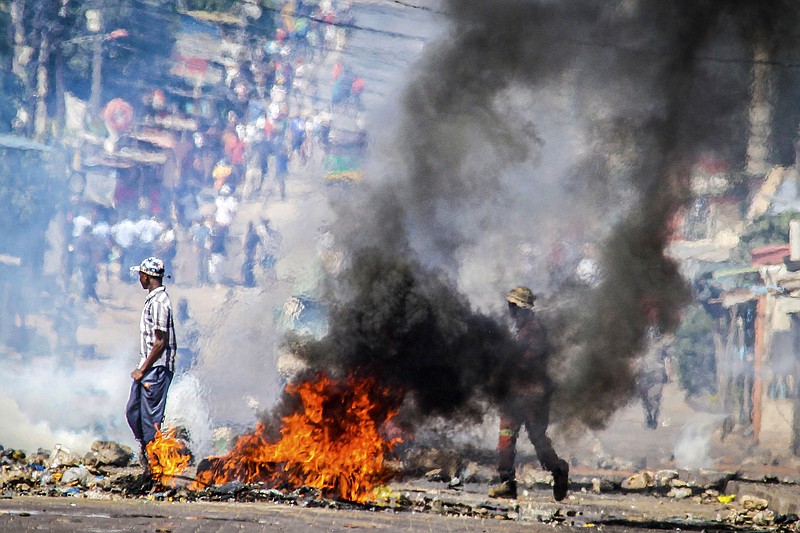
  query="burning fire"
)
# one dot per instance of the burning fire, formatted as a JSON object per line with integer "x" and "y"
{"x": 332, "y": 442}
{"x": 167, "y": 455}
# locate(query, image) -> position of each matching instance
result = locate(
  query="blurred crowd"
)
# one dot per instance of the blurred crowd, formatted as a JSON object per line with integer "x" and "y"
{"x": 271, "y": 115}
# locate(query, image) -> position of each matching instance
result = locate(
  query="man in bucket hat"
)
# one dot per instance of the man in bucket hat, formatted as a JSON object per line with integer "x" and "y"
{"x": 157, "y": 350}
{"x": 528, "y": 403}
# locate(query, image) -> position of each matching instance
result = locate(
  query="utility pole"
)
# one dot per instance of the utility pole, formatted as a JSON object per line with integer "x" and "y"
{"x": 58, "y": 123}
{"x": 22, "y": 52}
{"x": 760, "y": 117}
{"x": 94, "y": 23}
{"x": 40, "y": 114}
{"x": 19, "y": 64}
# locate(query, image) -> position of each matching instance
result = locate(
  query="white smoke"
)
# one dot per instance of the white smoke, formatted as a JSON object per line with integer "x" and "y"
{"x": 43, "y": 403}
{"x": 187, "y": 408}
{"x": 694, "y": 446}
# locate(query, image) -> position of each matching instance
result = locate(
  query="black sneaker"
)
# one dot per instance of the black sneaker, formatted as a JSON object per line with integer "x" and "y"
{"x": 506, "y": 489}
{"x": 561, "y": 480}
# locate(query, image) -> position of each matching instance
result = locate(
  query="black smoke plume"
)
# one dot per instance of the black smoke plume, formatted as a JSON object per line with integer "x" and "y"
{"x": 649, "y": 86}
{"x": 409, "y": 328}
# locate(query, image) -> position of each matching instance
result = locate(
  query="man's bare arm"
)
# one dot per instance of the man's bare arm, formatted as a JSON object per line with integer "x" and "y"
{"x": 159, "y": 346}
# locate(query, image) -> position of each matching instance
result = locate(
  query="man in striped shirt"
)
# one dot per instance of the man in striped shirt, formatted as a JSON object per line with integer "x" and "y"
{"x": 157, "y": 350}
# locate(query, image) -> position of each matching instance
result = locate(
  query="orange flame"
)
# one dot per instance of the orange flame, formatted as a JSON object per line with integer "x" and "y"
{"x": 168, "y": 456}
{"x": 332, "y": 442}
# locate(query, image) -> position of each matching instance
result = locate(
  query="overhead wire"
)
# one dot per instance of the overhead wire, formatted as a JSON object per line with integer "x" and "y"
{"x": 414, "y": 6}
{"x": 160, "y": 14}
{"x": 346, "y": 25}
{"x": 581, "y": 42}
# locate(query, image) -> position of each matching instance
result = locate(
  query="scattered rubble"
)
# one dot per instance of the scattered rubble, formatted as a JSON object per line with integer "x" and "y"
{"x": 108, "y": 453}
{"x": 753, "y": 511}
{"x": 679, "y": 493}
{"x": 639, "y": 481}
{"x": 107, "y": 472}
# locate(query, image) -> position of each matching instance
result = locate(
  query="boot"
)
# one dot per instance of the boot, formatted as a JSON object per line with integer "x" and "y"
{"x": 145, "y": 478}
{"x": 144, "y": 459}
{"x": 506, "y": 489}
{"x": 561, "y": 480}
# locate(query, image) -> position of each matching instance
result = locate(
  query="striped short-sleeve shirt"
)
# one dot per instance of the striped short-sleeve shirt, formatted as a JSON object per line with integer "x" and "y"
{"x": 157, "y": 315}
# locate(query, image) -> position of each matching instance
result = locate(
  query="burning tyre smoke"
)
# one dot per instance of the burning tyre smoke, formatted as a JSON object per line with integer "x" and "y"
{"x": 409, "y": 328}
{"x": 480, "y": 170}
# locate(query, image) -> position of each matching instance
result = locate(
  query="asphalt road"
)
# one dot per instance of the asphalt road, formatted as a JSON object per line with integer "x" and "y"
{"x": 71, "y": 514}
{"x": 533, "y": 511}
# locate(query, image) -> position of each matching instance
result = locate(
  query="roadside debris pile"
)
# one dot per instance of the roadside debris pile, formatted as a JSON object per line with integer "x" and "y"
{"x": 753, "y": 511}
{"x": 669, "y": 483}
{"x": 742, "y": 511}
{"x": 109, "y": 471}
{"x": 445, "y": 465}
{"x": 61, "y": 472}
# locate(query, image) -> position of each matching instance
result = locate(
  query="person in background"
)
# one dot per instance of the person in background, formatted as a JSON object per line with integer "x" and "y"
{"x": 166, "y": 244}
{"x": 651, "y": 367}
{"x": 87, "y": 263}
{"x": 282, "y": 167}
{"x": 251, "y": 242}
{"x": 201, "y": 239}
{"x": 190, "y": 338}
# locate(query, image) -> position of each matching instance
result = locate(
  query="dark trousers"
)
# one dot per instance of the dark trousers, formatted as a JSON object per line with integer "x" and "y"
{"x": 534, "y": 413}
{"x": 146, "y": 404}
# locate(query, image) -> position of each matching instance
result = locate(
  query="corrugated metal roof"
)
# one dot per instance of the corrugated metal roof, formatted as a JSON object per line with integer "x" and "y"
{"x": 769, "y": 255}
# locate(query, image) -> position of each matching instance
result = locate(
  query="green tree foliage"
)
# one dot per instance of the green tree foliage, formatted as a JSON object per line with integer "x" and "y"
{"x": 262, "y": 26}
{"x": 265, "y": 24}
{"x": 694, "y": 354}
{"x": 211, "y": 5}
{"x": 222, "y": 5}
{"x": 30, "y": 189}
{"x": 132, "y": 64}
{"x": 766, "y": 230}
{"x": 10, "y": 92}
{"x": 5, "y": 25}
